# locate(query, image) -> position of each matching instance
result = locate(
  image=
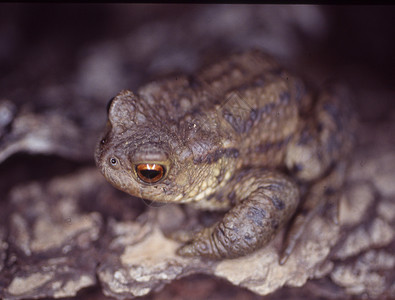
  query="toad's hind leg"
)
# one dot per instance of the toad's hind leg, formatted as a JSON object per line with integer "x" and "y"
{"x": 265, "y": 201}
{"x": 322, "y": 196}
{"x": 326, "y": 136}
{"x": 319, "y": 154}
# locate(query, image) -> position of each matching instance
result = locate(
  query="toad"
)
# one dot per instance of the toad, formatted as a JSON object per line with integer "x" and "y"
{"x": 242, "y": 135}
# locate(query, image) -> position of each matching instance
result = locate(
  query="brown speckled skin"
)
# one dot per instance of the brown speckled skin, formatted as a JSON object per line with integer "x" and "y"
{"x": 242, "y": 135}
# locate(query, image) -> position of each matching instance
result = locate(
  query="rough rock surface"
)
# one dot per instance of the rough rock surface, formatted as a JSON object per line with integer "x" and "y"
{"x": 51, "y": 241}
{"x": 34, "y": 133}
{"x": 56, "y": 248}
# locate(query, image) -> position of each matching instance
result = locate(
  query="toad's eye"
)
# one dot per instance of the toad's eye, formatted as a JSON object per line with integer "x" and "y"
{"x": 150, "y": 173}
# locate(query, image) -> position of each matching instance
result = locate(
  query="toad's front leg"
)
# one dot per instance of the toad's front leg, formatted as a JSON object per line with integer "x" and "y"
{"x": 265, "y": 201}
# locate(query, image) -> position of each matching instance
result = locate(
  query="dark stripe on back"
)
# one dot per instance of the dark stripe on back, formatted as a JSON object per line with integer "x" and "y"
{"x": 213, "y": 157}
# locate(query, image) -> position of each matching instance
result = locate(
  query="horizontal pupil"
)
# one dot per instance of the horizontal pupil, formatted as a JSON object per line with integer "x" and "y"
{"x": 150, "y": 174}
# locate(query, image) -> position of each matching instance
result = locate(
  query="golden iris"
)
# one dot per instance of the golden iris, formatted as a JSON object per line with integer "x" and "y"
{"x": 150, "y": 173}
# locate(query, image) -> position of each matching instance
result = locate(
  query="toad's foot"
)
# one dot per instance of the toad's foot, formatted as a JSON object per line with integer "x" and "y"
{"x": 253, "y": 222}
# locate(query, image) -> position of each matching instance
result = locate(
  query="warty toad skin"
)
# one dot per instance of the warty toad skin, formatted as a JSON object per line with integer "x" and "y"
{"x": 242, "y": 135}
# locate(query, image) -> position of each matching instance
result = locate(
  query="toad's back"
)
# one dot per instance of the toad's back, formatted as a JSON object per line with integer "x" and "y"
{"x": 247, "y": 103}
